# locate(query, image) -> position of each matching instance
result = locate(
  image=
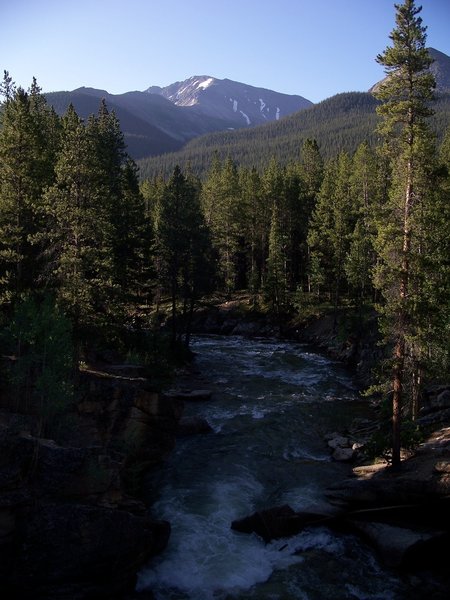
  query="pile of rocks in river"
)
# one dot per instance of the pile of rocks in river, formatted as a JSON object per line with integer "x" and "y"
{"x": 344, "y": 448}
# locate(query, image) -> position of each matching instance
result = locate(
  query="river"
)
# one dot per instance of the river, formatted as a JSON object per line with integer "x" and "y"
{"x": 273, "y": 403}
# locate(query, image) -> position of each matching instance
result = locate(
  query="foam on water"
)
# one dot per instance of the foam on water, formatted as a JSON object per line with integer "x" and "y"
{"x": 305, "y": 498}
{"x": 204, "y": 555}
{"x": 206, "y": 558}
{"x": 358, "y": 594}
{"x": 304, "y": 454}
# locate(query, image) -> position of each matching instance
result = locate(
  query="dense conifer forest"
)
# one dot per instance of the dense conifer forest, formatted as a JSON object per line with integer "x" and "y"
{"x": 340, "y": 123}
{"x": 93, "y": 257}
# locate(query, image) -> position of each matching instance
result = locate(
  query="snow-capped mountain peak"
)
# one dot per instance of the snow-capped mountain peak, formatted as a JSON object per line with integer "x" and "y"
{"x": 185, "y": 93}
{"x": 240, "y": 104}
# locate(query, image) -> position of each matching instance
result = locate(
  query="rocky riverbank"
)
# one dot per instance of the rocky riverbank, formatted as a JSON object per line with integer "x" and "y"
{"x": 71, "y": 525}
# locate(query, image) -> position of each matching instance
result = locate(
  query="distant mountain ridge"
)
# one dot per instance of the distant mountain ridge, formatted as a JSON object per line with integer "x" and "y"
{"x": 161, "y": 120}
{"x": 239, "y": 103}
{"x": 440, "y": 68}
{"x": 165, "y": 120}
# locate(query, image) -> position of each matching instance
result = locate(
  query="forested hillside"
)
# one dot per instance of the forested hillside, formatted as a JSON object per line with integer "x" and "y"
{"x": 340, "y": 123}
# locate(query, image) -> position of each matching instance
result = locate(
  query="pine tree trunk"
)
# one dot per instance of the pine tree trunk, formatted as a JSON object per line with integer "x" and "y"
{"x": 399, "y": 357}
{"x": 416, "y": 391}
{"x": 399, "y": 350}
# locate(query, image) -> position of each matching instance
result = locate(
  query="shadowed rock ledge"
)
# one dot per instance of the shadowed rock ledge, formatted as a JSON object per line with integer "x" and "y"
{"x": 71, "y": 525}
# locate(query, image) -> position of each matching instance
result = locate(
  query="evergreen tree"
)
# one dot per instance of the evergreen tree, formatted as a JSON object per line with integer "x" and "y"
{"x": 182, "y": 251}
{"x": 332, "y": 222}
{"x": 221, "y": 206}
{"x": 39, "y": 336}
{"x": 255, "y": 227}
{"x": 320, "y": 227}
{"x": 404, "y": 94}
{"x": 274, "y": 199}
{"x": 310, "y": 170}
{"x": 28, "y": 141}
{"x": 132, "y": 240}
{"x": 79, "y": 230}
{"x": 298, "y": 206}
{"x": 365, "y": 196}
{"x": 275, "y": 287}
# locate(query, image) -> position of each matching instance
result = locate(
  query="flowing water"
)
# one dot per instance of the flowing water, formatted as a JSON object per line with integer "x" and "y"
{"x": 272, "y": 405}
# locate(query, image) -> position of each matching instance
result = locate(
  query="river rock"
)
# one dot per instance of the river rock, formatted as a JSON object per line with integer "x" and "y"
{"x": 439, "y": 400}
{"x": 434, "y": 418}
{"x": 192, "y": 426}
{"x": 338, "y": 442}
{"x": 398, "y": 546}
{"x": 442, "y": 467}
{"x": 67, "y": 473}
{"x": 443, "y": 399}
{"x": 343, "y": 454}
{"x": 277, "y": 522}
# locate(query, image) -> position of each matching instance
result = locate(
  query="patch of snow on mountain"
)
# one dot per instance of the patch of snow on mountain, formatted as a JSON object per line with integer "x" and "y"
{"x": 206, "y": 83}
{"x": 180, "y": 92}
{"x": 277, "y": 116}
{"x": 245, "y": 117}
{"x": 235, "y": 105}
{"x": 261, "y": 104}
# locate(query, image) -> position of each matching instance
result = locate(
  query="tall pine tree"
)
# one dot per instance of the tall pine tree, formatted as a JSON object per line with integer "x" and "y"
{"x": 404, "y": 94}
{"x": 79, "y": 230}
{"x": 28, "y": 140}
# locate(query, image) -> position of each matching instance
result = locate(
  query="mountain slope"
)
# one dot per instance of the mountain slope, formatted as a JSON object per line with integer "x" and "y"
{"x": 339, "y": 123}
{"x": 440, "y": 67}
{"x": 154, "y": 124}
{"x": 166, "y": 120}
{"x": 141, "y": 137}
{"x": 441, "y": 70}
{"x": 240, "y": 104}
{"x": 151, "y": 124}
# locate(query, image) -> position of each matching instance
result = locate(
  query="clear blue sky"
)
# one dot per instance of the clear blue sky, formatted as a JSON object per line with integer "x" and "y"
{"x": 315, "y": 48}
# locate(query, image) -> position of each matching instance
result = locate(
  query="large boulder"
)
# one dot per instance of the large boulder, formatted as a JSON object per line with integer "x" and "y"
{"x": 343, "y": 454}
{"x": 436, "y": 399}
{"x": 124, "y": 415}
{"x": 277, "y": 522}
{"x": 401, "y": 546}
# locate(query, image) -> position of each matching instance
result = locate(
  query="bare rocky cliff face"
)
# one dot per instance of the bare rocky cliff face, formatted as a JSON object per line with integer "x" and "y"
{"x": 70, "y": 524}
